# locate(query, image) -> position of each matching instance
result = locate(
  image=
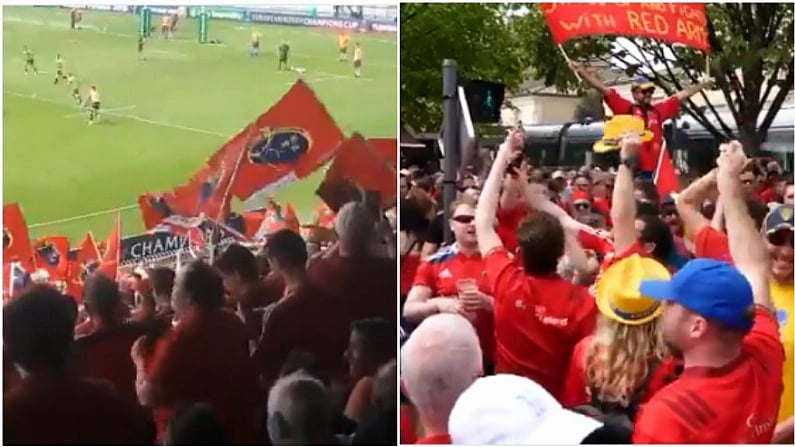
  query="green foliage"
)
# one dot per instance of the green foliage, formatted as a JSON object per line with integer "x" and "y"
{"x": 750, "y": 44}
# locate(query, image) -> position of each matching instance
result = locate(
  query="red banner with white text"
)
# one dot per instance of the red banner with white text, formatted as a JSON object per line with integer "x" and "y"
{"x": 682, "y": 23}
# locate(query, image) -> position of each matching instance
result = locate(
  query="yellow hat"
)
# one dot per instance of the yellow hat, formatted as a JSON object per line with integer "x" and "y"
{"x": 617, "y": 295}
{"x": 616, "y": 128}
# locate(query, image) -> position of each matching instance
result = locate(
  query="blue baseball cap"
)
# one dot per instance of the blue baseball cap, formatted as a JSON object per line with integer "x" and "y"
{"x": 715, "y": 290}
{"x": 779, "y": 218}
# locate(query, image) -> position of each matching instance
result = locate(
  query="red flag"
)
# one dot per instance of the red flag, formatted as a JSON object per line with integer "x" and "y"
{"x": 86, "y": 262}
{"x": 155, "y": 208}
{"x": 52, "y": 254}
{"x": 14, "y": 277}
{"x": 252, "y": 220}
{"x": 357, "y": 161}
{"x": 665, "y": 176}
{"x": 291, "y": 218}
{"x": 387, "y": 147}
{"x": 196, "y": 239}
{"x": 682, "y": 23}
{"x": 110, "y": 261}
{"x": 16, "y": 240}
{"x": 291, "y": 140}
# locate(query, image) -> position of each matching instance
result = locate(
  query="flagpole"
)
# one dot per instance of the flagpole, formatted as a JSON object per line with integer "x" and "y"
{"x": 568, "y": 60}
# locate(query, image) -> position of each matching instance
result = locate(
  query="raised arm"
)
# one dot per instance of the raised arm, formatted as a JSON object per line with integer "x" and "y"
{"x": 688, "y": 203}
{"x": 623, "y": 211}
{"x": 486, "y": 211}
{"x": 589, "y": 77}
{"x": 746, "y": 244}
{"x": 693, "y": 89}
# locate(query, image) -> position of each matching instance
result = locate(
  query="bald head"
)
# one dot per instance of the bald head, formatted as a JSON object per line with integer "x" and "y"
{"x": 299, "y": 411}
{"x": 440, "y": 360}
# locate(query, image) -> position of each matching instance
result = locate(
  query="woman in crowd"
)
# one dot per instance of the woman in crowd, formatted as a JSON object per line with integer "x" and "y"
{"x": 626, "y": 360}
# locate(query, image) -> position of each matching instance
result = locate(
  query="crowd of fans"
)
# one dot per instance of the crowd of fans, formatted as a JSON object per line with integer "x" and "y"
{"x": 580, "y": 307}
{"x": 277, "y": 347}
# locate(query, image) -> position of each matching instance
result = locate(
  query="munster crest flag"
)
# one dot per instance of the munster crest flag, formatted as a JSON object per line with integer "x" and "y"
{"x": 52, "y": 254}
{"x": 676, "y": 23}
{"x": 85, "y": 261}
{"x": 16, "y": 240}
{"x": 292, "y": 139}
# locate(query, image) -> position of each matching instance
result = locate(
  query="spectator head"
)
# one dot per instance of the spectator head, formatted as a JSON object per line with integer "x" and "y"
{"x": 670, "y": 216}
{"x": 405, "y": 183}
{"x": 238, "y": 267}
{"x": 537, "y": 175}
{"x": 286, "y": 252}
{"x": 355, "y": 227}
{"x": 38, "y": 329}
{"x": 371, "y": 344}
{"x": 655, "y": 237}
{"x": 789, "y": 192}
{"x": 103, "y": 299}
{"x": 582, "y": 183}
{"x": 197, "y": 286}
{"x": 603, "y": 185}
{"x": 385, "y": 387}
{"x": 708, "y": 308}
{"x": 440, "y": 360}
{"x": 472, "y": 192}
{"x": 462, "y": 223}
{"x": 757, "y": 210}
{"x": 541, "y": 242}
{"x": 195, "y": 424}
{"x": 162, "y": 279}
{"x": 628, "y": 331}
{"x": 751, "y": 179}
{"x": 559, "y": 179}
{"x": 510, "y": 410}
{"x": 300, "y": 411}
{"x": 580, "y": 202}
{"x": 642, "y": 91}
{"x": 778, "y": 229}
{"x": 646, "y": 191}
{"x": 412, "y": 218}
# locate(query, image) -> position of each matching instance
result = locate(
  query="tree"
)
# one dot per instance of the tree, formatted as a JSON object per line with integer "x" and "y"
{"x": 751, "y": 53}
{"x": 479, "y": 36}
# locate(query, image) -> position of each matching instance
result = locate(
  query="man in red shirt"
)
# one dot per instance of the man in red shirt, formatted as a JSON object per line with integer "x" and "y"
{"x": 205, "y": 358}
{"x": 306, "y": 318}
{"x": 722, "y": 320}
{"x": 105, "y": 352}
{"x": 437, "y": 288}
{"x": 439, "y": 361}
{"x": 653, "y": 115}
{"x": 538, "y": 316}
{"x": 50, "y": 405}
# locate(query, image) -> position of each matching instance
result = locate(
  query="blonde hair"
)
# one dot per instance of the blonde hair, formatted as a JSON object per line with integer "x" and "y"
{"x": 619, "y": 356}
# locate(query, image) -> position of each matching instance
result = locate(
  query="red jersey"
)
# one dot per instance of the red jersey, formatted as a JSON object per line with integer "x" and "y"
{"x": 442, "y": 270}
{"x": 538, "y": 321}
{"x": 735, "y": 404}
{"x": 713, "y": 244}
{"x": 507, "y": 222}
{"x": 436, "y": 439}
{"x": 657, "y": 114}
{"x": 575, "y": 388}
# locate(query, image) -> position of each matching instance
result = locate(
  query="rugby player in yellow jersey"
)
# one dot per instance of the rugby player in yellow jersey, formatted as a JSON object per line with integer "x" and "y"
{"x": 778, "y": 227}
{"x": 343, "y": 40}
{"x": 58, "y": 68}
{"x": 357, "y": 60}
{"x": 93, "y": 100}
{"x": 255, "y": 36}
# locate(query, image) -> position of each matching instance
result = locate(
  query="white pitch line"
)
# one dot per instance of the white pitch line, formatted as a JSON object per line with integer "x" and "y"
{"x": 128, "y": 116}
{"x": 82, "y": 216}
{"x": 106, "y": 111}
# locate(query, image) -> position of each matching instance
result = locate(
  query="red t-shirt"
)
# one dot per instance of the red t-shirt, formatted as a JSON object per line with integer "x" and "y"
{"x": 435, "y": 439}
{"x": 507, "y": 222}
{"x": 735, "y": 404}
{"x": 205, "y": 358}
{"x": 538, "y": 321}
{"x": 713, "y": 244}
{"x": 365, "y": 285}
{"x": 575, "y": 388}
{"x": 105, "y": 354}
{"x": 66, "y": 410}
{"x": 660, "y": 112}
{"x": 598, "y": 241}
{"x": 309, "y": 320}
{"x": 440, "y": 273}
{"x": 408, "y": 435}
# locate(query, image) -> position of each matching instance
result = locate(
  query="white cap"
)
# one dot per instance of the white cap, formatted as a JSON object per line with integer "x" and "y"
{"x": 558, "y": 174}
{"x": 512, "y": 410}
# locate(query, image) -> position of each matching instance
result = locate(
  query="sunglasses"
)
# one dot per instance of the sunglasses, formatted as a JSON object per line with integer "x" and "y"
{"x": 582, "y": 206}
{"x": 780, "y": 238}
{"x": 463, "y": 218}
{"x": 647, "y": 91}
{"x": 669, "y": 212}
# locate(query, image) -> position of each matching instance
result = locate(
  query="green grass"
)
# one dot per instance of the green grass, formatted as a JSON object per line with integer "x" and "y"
{"x": 173, "y": 110}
